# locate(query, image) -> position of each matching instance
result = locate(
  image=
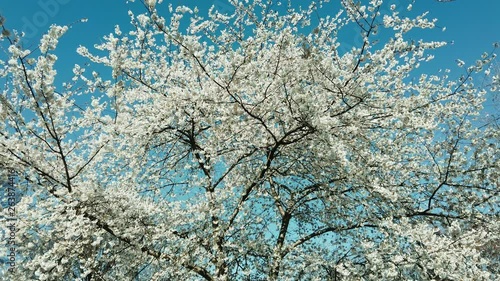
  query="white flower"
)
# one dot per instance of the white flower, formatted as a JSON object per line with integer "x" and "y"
{"x": 150, "y": 3}
{"x": 496, "y": 79}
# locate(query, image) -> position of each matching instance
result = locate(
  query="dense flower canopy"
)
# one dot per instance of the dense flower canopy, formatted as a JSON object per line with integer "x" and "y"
{"x": 251, "y": 146}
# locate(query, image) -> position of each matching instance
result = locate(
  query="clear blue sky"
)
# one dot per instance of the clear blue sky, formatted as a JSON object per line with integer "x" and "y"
{"x": 473, "y": 25}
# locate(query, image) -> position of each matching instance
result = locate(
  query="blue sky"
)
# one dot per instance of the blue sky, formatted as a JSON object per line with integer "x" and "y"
{"x": 473, "y": 26}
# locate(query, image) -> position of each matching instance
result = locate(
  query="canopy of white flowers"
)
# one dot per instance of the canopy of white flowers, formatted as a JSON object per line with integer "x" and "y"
{"x": 251, "y": 146}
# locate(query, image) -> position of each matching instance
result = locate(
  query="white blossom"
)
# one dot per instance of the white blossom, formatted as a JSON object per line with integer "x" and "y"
{"x": 254, "y": 144}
